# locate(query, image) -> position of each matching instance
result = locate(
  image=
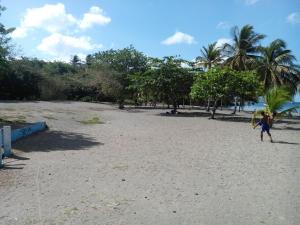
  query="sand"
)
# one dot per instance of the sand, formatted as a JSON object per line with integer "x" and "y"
{"x": 140, "y": 167}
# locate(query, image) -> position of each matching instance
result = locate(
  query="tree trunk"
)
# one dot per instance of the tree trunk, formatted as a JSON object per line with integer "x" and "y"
{"x": 242, "y": 104}
{"x": 174, "y": 108}
{"x": 121, "y": 104}
{"x": 154, "y": 104}
{"x": 221, "y": 104}
{"x": 235, "y": 105}
{"x": 214, "y": 110}
{"x": 239, "y": 106}
{"x": 208, "y": 105}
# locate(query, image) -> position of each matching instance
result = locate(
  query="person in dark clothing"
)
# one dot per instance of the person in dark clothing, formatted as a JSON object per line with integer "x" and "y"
{"x": 265, "y": 123}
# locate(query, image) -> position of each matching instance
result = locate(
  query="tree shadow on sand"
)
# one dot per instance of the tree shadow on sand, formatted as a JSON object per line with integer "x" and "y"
{"x": 228, "y": 117}
{"x": 55, "y": 141}
{"x": 186, "y": 114}
{"x": 238, "y": 118}
{"x": 218, "y": 116}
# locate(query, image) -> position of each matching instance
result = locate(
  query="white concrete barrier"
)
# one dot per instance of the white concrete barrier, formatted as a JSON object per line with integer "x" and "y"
{"x": 7, "y": 136}
{"x": 1, "y": 149}
{"x": 7, "y": 140}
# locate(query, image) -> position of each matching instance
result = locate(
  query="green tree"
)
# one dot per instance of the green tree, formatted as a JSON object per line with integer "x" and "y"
{"x": 219, "y": 83}
{"x": 21, "y": 81}
{"x": 144, "y": 87}
{"x": 245, "y": 87}
{"x": 277, "y": 66}
{"x": 5, "y": 52}
{"x": 173, "y": 81}
{"x": 95, "y": 84}
{"x": 125, "y": 62}
{"x": 242, "y": 53}
{"x": 58, "y": 69}
{"x": 5, "y": 46}
{"x": 165, "y": 81}
{"x": 106, "y": 82}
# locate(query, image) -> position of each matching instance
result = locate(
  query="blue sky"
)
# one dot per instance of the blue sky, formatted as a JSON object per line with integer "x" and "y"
{"x": 58, "y": 29}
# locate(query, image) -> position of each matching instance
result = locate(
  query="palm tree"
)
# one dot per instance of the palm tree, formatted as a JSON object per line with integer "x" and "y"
{"x": 210, "y": 56}
{"x": 276, "y": 66}
{"x": 75, "y": 61}
{"x": 276, "y": 99}
{"x": 242, "y": 53}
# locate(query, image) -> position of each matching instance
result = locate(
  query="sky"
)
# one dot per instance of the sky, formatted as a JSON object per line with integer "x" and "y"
{"x": 56, "y": 30}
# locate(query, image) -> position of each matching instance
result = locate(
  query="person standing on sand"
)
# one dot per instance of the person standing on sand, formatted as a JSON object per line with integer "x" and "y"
{"x": 265, "y": 123}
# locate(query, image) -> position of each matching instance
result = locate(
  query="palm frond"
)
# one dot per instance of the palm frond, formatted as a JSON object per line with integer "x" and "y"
{"x": 289, "y": 110}
{"x": 276, "y": 98}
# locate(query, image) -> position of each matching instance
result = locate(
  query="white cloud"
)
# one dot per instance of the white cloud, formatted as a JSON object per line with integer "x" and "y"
{"x": 179, "y": 38}
{"x": 251, "y": 2}
{"x": 223, "y": 25}
{"x": 63, "y": 46}
{"x": 19, "y": 32}
{"x": 94, "y": 16}
{"x": 294, "y": 18}
{"x": 222, "y": 41}
{"x": 54, "y": 18}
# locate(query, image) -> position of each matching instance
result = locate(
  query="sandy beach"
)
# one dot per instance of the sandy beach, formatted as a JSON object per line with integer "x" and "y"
{"x": 140, "y": 166}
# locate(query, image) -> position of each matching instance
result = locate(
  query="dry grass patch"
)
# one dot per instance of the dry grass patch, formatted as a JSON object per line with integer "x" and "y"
{"x": 92, "y": 121}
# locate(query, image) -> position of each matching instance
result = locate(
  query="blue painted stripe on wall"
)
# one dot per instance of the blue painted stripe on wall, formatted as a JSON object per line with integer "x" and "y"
{"x": 26, "y": 131}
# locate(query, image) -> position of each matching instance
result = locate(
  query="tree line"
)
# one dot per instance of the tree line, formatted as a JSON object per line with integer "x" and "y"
{"x": 239, "y": 71}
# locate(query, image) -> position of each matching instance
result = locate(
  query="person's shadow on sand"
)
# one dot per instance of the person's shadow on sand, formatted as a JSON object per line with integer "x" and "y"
{"x": 286, "y": 142}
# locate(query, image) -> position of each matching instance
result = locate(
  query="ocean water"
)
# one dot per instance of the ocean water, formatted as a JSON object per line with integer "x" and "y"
{"x": 260, "y": 105}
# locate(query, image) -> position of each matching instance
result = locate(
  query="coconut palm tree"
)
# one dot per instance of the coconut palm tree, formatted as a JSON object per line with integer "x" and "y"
{"x": 242, "y": 53}
{"x": 210, "y": 56}
{"x": 276, "y": 99}
{"x": 276, "y": 66}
